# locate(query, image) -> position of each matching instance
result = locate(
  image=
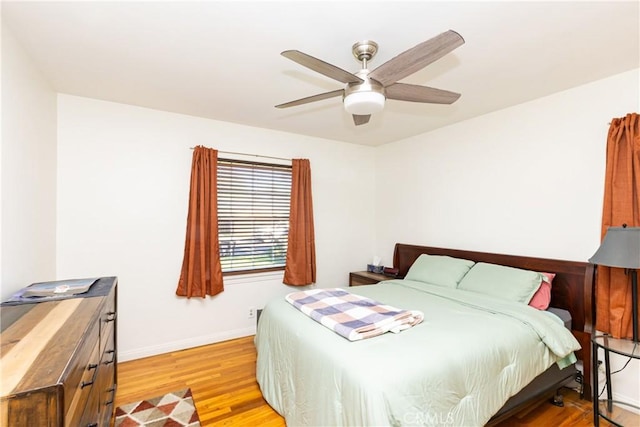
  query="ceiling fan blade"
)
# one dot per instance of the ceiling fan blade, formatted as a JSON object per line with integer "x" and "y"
{"x": 321, "y": 67}
{"x": 361, "y": 120}
{"x": 416, "y": 58}
{"x": 313, "y": 98}
{"x": 415, "y": 93}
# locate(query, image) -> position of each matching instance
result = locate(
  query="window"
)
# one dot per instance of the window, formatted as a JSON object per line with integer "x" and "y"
{"x": 253, "y": 215}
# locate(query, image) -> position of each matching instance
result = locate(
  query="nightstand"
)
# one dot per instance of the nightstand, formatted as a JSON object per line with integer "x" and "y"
{"x": 603, "y": 408}
{"x": 357, "y": 278}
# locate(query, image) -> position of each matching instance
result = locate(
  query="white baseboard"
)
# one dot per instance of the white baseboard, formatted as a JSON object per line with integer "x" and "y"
{"x": 629, "y": 401}
{"x": 139, "y": 353}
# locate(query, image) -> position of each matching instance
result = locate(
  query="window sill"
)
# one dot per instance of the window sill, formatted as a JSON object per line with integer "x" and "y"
{"x": 267, "y": 276}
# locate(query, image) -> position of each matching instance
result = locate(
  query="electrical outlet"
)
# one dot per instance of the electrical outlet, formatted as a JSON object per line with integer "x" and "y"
{"x": 252, "y": 312}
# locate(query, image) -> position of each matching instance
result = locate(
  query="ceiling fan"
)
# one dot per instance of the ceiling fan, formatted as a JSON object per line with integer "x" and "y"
{"x": 365, "y": 91}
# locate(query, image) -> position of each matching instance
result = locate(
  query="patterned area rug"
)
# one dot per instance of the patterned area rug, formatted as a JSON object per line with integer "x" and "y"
{"x": 170, "y": 410}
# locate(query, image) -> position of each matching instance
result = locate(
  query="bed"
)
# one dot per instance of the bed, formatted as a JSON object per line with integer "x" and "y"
{"x": 474, "y": 359}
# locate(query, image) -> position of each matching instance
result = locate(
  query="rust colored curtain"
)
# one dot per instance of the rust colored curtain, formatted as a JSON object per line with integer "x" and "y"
{"x": 300, "y": 265}
{"x": 621, "y": 206}
{"x": 201, "y": 270}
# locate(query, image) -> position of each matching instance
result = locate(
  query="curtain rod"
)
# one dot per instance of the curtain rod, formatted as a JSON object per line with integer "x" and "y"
{"x": 252, "y": 155}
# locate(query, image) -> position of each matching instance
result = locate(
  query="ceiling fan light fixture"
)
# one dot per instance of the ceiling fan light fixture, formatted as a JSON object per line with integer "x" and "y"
{"x": 364, "y": 103}
{"x": 365, "y": 92}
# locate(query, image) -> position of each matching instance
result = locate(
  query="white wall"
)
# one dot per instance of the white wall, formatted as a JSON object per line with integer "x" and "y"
{"x": 527, "y": 180}
{"x": 123, "y": 175}
{"x": 28, "y": 190}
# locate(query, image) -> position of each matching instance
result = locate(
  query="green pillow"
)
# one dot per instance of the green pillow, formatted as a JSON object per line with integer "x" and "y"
{"x": 439, "y": 270}
{"x": 499, "y": 281}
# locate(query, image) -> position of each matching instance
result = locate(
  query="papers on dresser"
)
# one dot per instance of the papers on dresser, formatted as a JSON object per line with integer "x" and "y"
{"x": 60, "y": 287}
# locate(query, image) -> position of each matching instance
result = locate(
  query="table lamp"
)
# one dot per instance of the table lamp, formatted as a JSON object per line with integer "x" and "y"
{"x": 621, "y": 248}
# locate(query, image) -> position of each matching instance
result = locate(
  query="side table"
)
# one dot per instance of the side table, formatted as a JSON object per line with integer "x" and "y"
{"x": 357, "y": 278}
{"x": 609, "y": 344}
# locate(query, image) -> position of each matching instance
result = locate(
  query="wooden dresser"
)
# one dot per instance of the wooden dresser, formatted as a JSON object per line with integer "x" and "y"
{"x": 58, "y": 360}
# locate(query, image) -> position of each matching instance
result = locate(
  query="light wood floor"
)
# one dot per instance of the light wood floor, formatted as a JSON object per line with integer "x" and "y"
{"x": 222, "y": 379}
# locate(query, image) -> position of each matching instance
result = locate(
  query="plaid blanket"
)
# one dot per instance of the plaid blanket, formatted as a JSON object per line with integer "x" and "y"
{"x": 353, "y": 316}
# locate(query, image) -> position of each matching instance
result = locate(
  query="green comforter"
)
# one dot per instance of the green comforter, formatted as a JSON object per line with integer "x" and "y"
{"x": 457, "y": 368}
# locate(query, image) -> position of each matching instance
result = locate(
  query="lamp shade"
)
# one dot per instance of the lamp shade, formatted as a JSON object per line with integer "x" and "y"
{"x": 620, "y": 248}
{"x": 364, "y": 103}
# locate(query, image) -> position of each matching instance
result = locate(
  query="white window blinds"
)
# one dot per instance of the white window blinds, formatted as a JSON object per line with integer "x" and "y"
{"x": 253, "y": 215}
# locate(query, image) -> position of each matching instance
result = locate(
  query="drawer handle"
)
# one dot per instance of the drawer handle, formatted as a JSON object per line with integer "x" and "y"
{"x": 113, "y": 357}
{"x": 111, "y": 316}
{"x": 93, "y": 378}
{"x": 92, "y": 425}
{"x": 112, "y": 390}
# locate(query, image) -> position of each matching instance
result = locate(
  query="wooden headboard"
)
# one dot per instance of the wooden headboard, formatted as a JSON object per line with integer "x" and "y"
{"x": 572, "y": 288}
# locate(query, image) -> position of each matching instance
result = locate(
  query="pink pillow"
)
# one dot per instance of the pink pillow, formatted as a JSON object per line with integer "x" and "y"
{"x": 542, "y": 298}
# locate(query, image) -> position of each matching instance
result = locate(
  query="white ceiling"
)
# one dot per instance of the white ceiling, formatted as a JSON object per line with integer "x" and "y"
{"x": 221, "y": 59}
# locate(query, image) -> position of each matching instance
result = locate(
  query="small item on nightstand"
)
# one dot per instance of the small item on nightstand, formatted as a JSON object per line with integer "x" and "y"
{"x": 375, "y": 268}
{"x": 390, "y": 271}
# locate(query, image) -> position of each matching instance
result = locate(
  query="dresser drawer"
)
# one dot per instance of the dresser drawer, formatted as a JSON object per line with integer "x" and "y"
{"x": 82, "y": 377}
{"x": 107, "y": 380}
{"x": 108, "y": 321}
{"x": 108, "y": 361}
{"x": 91, "y": 414}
